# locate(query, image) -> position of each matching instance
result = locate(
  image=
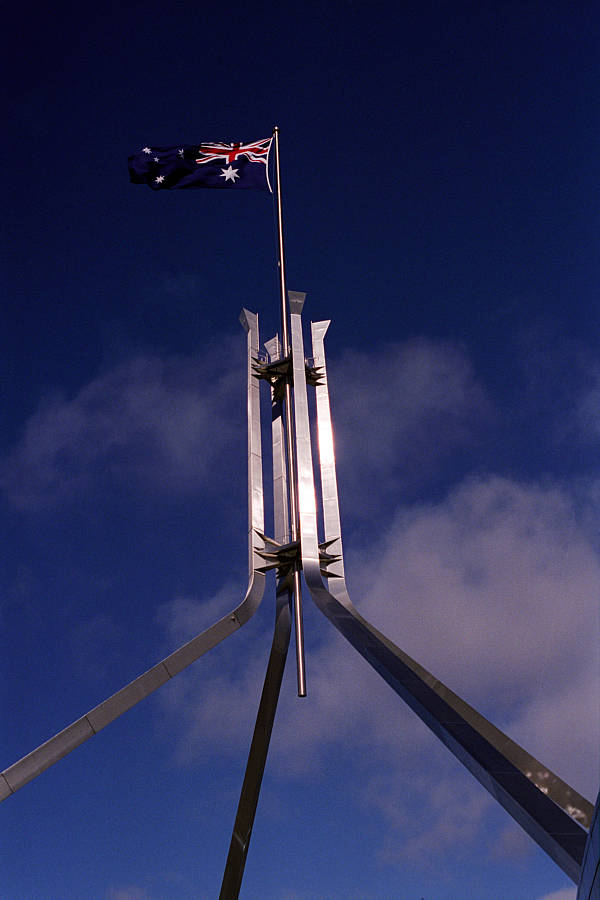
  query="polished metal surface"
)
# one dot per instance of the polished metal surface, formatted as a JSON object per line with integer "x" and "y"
{"x": 256, "y": 512}
{"x": 57, "y": 747}
{"x": 246, "y": 812}
{"x": 281, "y": 526}
{"x": 277, "y": 371}
{"x": 329, "y": 491}
{"x": 281, "y": 513}
{"x": 502, "y": 767}
{"x": 589, "y": 883}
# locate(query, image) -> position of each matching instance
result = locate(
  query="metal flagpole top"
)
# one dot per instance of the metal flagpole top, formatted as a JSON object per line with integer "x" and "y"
{"x": 285, "y": 340}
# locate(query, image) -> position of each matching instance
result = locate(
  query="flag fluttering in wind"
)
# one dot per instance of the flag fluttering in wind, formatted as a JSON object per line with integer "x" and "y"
{"x": 217, "y": 165}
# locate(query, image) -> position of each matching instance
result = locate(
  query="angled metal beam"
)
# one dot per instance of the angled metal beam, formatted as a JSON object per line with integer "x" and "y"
{"x": 576, "y": 806}
{"x": 478, "y": 745}
{"x": 40, "y": 759}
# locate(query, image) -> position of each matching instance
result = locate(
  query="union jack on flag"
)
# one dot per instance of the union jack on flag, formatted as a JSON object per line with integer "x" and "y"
{"x": 256, "y": 152}
{"x": 216, "y": 165}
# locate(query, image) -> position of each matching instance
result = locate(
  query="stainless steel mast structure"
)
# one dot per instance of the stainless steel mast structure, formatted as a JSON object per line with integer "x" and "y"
{"x": 561, "y": 821}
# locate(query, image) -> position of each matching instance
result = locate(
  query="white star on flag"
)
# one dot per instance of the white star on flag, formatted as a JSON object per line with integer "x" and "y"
{"x": 180, "y": 152}
{"x": 230, "y": 174}
{"x": 146, "y": 150}
{"x": 159, "y": 179}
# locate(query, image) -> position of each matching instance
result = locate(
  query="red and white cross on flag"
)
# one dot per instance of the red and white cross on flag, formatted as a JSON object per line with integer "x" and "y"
{"x": 257, "y": 152}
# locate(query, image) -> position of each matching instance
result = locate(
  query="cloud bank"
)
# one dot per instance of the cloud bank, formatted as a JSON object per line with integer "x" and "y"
{"x": 403, "y": 411}
{"x": 151, "y": 423}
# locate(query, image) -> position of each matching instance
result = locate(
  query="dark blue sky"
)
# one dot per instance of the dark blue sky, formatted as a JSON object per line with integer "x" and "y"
{"x": 440, "y": 171}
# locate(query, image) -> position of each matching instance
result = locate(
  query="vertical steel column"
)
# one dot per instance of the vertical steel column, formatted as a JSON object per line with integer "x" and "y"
{"x": 307, "y": 502}
{"x": 329, "y": 492}
{"x": 256, "y": 514}
{"x": 281, "y": 526}
{"x": 293, "y": 484}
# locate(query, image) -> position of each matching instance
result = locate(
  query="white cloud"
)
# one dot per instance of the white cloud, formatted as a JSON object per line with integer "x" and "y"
{"x": 160, "y": 424}
{"x": 511, "y": 843}
{"x": 495, "y": 590}
{"x": 568, "y": 893}
{"x": 184, "y": 617}
{"x": 130, "y": 892}
{"x": 428, "y": 810}
{"x": 400, "y": 411}
{"x": 562, "y": 727}
{"x": 214, "y": 712}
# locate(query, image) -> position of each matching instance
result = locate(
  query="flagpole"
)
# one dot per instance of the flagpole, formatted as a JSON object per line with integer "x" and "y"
{"x": 293, "y": 477}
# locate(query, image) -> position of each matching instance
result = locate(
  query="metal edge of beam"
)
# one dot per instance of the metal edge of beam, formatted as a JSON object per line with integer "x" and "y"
{"x": 51, "y": 751}
{"x": 562, "y": 838}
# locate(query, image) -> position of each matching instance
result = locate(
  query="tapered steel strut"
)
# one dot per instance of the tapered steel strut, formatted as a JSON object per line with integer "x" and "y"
{"x": 550, "y": 811}
{"x": 36, "y": 762}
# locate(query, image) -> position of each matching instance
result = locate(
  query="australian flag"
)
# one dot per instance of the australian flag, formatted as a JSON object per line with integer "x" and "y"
{"x": 216, "y": 165}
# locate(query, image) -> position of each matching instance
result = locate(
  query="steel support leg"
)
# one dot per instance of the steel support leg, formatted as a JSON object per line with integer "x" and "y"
{"x": 473, "y": 740}
{"x": 36, "y": 762}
